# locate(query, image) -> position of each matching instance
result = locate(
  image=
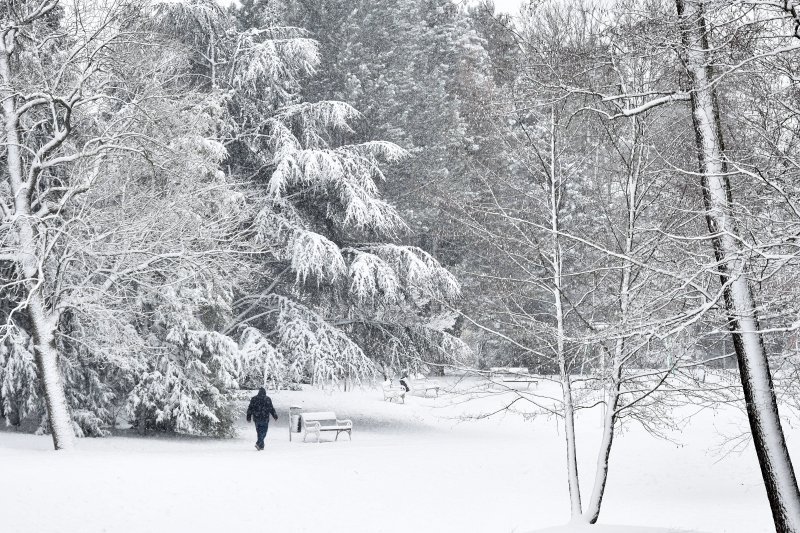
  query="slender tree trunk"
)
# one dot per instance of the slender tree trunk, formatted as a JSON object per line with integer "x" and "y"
{"x": 569, "y": 411}
{"x": 604, "y": 452}
{"x": 613, "y": 390}
{"x": 762, "y": 407}
{"x": 43, "y": 322}
{"x": 566, "y": 383}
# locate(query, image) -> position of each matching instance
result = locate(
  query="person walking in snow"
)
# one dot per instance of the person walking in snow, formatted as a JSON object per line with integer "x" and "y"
{"x": 259, "y": 411}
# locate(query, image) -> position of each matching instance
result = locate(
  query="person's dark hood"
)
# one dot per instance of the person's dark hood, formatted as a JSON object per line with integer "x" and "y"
{"x": 262, "y": 393}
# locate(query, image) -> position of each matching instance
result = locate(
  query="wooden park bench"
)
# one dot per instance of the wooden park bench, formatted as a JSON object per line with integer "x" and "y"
{"x": 394, "y": 393}
{"x": 324, "y": 421}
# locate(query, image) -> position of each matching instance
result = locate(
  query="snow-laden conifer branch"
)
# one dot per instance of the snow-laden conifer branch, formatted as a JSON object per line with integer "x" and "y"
{"x": 314, "y": 118}
{"x": 261, "y": 360}
{"x": 315, "y": 255}
{"x": 197, "y": 19}
{"x": 316, "y": 348}
{"x": 371, "y": 277}
{"x": 273, "y": 63}
{"x": 395, "y": 273}
{"x": 418, "y": 271}
{"x": 345, "y": 175}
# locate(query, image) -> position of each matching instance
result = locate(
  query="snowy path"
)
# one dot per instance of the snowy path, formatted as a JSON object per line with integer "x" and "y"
{"x": 407, "y": 469}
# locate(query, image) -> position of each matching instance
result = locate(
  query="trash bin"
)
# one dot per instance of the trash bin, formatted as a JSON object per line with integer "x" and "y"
{"x": 294, "y": 420}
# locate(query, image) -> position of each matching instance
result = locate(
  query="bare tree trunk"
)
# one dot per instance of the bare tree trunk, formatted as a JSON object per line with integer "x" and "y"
{"x": 566, "y": 384}
{"x": 762, "y": 407}
{"x": 613, "y": 391}
{"x": 569, "y": 410}
{"x": 43, "y": 322}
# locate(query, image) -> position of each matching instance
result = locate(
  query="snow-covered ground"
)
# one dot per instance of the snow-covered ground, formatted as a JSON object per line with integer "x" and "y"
{"x": 415, "y": 467}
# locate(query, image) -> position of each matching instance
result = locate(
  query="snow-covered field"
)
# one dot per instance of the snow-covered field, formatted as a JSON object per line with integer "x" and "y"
{"x": 415, "y": 467}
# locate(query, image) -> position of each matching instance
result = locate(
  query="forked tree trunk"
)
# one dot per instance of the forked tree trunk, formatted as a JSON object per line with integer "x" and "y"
{"x": 604, "y": 452}
{"x": 610, "y": 416}
{"x": 740, "y": 308}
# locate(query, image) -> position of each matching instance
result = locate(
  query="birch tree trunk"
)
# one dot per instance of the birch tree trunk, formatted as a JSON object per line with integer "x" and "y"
{"x": 28, "y": 259}
{"x": 762, "y": 408}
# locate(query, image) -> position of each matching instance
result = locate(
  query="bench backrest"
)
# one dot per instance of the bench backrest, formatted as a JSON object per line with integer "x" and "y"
{"x": 325, "y": 418}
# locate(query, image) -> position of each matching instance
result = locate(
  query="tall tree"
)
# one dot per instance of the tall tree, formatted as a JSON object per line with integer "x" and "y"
{"x": 740, "y": 307}
{"x": 398, "y": 321}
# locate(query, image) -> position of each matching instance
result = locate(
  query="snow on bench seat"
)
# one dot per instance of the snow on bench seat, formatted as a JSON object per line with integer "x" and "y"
{"x": 317, "y": 422}
{"x": 423, "y": 386}
{"x": 394, "y": 392}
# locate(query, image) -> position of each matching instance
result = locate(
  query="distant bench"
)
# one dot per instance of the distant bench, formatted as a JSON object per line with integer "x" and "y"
{"x": 423, "y": 386}
{"x": 417, "y": 386}
{"x": 324, "y": 421}
{"x": 513, "y": 375}
{"x": 394, "y": 393}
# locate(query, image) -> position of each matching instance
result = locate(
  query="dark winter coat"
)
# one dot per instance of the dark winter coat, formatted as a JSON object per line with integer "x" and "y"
{"x": 261, "y": 408}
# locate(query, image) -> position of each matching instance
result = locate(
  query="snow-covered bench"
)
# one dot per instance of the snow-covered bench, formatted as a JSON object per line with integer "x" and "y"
{"x": 422, "y": 386}
{"x": 324, "y": 421}
{"x": 512, "y": 375}
{"x": 394, "y": 393}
